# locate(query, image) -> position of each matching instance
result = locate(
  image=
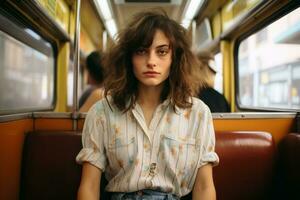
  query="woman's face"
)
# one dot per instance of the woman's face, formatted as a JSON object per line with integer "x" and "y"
{"x": 151, "y": 66}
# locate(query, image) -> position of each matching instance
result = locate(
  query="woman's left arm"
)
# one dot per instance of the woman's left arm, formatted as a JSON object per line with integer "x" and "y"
{"x": 204, "y": 188}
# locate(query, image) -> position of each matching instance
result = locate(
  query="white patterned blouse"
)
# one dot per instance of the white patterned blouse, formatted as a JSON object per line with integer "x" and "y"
{"x": 164, "y": 156}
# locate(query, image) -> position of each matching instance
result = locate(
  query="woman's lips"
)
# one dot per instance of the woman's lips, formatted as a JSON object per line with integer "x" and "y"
{"x": 151, "y": 74}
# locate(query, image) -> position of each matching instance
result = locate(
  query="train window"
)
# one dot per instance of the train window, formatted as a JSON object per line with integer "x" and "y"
{"x": 269, "y": 65}
{"x": 219, "y": 75}
{"x": 26, "y": 69}
{"x": 70, "y": 84}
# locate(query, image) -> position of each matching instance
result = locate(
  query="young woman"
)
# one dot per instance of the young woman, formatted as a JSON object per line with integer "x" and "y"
{"x": 149, "y": 136}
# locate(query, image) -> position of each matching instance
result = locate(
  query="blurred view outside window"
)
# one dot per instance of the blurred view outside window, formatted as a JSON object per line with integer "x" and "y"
{"x": 70, "y": 80}
{"x": 70, "y": 84}
{"x": 26, "y": 75}
{"x": 219, "y": 75}
{"x": 269, "y": 65}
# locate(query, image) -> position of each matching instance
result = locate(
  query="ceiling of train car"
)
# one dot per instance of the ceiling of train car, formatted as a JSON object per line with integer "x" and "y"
{"x": 125, "y": 9}
{"x": 121, "y": 11}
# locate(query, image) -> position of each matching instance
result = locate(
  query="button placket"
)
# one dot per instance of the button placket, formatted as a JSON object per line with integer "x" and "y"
{"x": 152, "y": 171}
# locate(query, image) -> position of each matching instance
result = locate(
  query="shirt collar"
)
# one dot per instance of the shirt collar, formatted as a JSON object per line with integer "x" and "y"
{"x": 164, "y": 105}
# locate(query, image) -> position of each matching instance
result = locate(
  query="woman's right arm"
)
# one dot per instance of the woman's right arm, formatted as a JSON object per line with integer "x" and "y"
{"x": 89, "y": 188}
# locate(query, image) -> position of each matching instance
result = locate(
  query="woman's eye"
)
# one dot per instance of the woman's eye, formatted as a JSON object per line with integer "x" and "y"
{"x": 162, "y": 52}
{"x": 141, "y": 52}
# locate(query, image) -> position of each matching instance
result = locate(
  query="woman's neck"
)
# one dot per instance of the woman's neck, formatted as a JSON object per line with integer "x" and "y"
{"x": 149, "y": 96}
{"x": 149, "y": 99}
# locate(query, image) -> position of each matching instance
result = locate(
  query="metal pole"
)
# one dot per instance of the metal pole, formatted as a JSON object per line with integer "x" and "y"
{"x": 76, "y": 66}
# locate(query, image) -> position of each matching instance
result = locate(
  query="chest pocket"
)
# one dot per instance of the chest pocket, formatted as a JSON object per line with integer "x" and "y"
{"x": 121, "y": 152}
{"x": 181, "y": 154}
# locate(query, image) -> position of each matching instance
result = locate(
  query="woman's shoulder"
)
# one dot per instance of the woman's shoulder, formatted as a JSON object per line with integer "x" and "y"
{"x": 199, "y": 105}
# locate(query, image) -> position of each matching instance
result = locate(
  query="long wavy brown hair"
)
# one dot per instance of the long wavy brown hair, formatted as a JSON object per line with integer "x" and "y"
{"x": 122, "y": 85}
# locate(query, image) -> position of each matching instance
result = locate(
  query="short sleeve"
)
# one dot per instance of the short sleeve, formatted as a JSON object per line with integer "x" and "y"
{"x": 208, "y": 154}
{"x": 93, "y": 138}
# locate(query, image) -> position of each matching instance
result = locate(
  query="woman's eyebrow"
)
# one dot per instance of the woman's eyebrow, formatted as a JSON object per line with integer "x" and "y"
{"x": 163, "y": 45}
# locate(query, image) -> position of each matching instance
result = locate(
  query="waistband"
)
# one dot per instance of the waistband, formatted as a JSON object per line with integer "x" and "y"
{"x": 146, "y": 192}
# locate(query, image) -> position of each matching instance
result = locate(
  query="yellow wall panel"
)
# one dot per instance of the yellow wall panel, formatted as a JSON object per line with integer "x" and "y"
{"x": 228, "y": 72}
{"x": 62, "y": 75}
{"x": 72, "y": 23}
{"x": 62, "y": 14}
{"x": 216, "y": 25}
{"x": 86, "y": 44}
{"x": 91, "y": 25}
{"x": 234, "y": 10}
{"x": 59, "y": 10}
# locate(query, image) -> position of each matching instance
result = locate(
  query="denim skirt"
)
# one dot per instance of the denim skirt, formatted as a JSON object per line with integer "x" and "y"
{"x": 143, "y": 195}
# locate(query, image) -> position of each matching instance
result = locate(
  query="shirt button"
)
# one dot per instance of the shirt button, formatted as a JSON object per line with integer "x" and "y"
{"x": 151, "y": 174}
{"x": 152, "y": 165}
{"x": 152, "y": 169}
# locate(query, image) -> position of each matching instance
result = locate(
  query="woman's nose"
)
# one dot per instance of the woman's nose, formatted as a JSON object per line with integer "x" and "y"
{"x": 151, "y": 60}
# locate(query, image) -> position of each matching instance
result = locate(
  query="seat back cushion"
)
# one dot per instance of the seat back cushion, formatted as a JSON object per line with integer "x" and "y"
{"x": 247, "y": 161}
{"x": 49, "y": 169}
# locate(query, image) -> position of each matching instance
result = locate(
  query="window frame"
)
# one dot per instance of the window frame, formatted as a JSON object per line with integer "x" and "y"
{"x": 272, "y": 18}
{"x": 14, "y": 26}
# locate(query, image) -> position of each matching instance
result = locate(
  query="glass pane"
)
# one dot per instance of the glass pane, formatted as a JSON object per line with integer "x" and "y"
{"x": 26, "y": 75}
{"x": 269, "y": 65}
